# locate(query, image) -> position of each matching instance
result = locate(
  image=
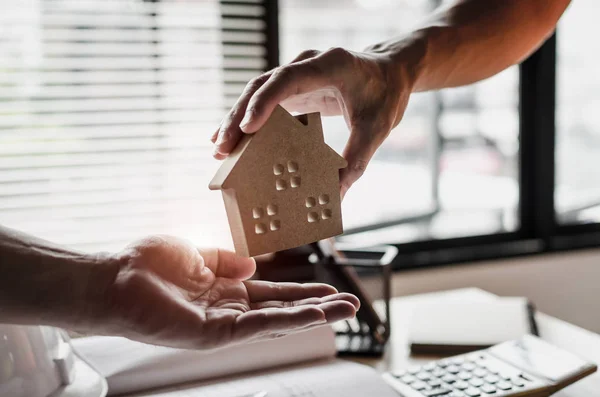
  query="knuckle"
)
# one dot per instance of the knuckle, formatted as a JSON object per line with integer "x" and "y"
{"x": 359, "y": 166}
{"x": 345, "y": 186}
{"x": 284, "y": 72}
{"x": 308, "y": 54}
{"x": 227, "y": 121}
{"x": 134, "y": 280}
{"x": 255, "y": 107}
{"x": 338, "y": 52}
{"x": 255, "y": 83}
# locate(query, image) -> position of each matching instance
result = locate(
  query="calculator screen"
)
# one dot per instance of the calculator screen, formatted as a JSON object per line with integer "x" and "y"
{"x": 540, "y": 358}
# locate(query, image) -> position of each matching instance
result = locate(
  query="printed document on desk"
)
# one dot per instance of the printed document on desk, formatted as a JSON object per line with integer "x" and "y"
{"x": 130, "y": 366}
{"x": 330, "y": 378}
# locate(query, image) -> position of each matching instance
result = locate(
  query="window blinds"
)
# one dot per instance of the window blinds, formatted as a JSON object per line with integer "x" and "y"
{"x": 106, "y": 110}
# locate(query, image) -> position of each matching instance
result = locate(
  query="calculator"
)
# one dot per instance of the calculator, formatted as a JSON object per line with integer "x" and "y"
{"x": 524, "y": 367}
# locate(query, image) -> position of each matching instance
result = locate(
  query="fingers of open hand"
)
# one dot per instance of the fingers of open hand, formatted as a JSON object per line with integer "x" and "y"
{"x": 343, "y": 296}
{"x": 264, "y": 322}
{"x": 336, "y": 307}
{"x": 229, "y": 133}
{"x": 259, "y": 291}
{"x": 227, "y": 264}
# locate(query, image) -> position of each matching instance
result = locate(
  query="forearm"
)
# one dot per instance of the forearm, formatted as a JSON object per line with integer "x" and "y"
{"x": 44, "y": 283}
{"x": 470, "y": 40}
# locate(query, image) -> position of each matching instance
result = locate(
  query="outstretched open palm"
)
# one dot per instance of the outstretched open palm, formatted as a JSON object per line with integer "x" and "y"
{"x": 171, "y": 293}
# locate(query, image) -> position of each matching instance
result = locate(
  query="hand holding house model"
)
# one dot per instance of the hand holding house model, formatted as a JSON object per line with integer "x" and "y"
{"x": 281, "y": 186}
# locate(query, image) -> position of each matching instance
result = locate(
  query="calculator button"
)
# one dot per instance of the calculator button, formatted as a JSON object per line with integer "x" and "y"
{"x": 449, "y": 378}
{"x": 504, "y": 376}
{"x": 502, "y": 385}
{"x": 456, "y": 393}
{"x": 481, "y": 363}
{"x": 458, "y": 360}
{"x": 429, "y": 367}
{"x": 440, "y": 391}
{"x": 408, "y": 379}
{"x": 398, "y": 374}
{"x": 518, "y": 382}
{"x": 419, "y": 385}
{"x": 453, "y": 369}
{"x": 444, "y": 363}
{"x": 438, "y": 372}
{"x": 492, "y": 379}
{"x": 423, "y": 376}
{"x": 527, "y": 378}
{"x": 480, "y": 373}
{"x": 435, "y": 383}
{"x": 476, "y": 382}
{"x": 461, "y": 385}
{"x": 414, "y": 370}
{"x": 489, "y": 389}
{"x": 472, "y": 392}
{"x": 474, "y": 357}
{"x": 468, "y": 366}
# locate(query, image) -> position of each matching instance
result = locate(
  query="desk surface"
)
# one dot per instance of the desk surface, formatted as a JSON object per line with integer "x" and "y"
{"x": 562, "y": 334}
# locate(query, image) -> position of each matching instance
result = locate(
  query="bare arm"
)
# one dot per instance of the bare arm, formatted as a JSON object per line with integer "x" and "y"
{"x": 461, "y": 43}
{"x": 160, "y": 290}
{"x": 44, "y": 283}
{"x": 470, "y": 40}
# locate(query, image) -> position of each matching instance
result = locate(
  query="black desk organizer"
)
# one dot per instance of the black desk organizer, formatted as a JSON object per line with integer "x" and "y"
{"x": 340, "y": 268}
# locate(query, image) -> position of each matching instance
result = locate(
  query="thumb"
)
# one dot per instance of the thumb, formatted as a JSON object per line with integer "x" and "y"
{"x": 227, "y": 264}
{"x": 358, "y": 152}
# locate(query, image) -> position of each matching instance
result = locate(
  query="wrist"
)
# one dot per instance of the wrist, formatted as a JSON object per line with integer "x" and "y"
{"x": 96, "y": 310}
{"x": 404, "y": 59}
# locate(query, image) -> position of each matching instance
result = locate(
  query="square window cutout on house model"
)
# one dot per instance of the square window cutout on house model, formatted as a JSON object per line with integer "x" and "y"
{"x": 281, "y": 186}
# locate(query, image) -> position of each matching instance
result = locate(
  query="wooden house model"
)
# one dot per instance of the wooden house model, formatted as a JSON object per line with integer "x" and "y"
{"x": 280, "y": 186}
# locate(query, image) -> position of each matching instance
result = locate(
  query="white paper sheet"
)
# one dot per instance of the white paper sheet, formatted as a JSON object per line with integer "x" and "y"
{"x": 334, "y": 378}
{"x": 132, "y": 366}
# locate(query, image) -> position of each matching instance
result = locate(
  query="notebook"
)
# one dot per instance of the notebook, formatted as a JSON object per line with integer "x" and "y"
{"x": 459, "y": 326}
{"x": 298, "y": 364}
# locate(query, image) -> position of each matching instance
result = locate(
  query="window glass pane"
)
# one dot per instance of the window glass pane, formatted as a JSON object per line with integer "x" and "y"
{"x": 478, "y": 185}
{"x": 577, "y": 192}
{"x": 450, "y": 166}
{"x": 106, "y": 110}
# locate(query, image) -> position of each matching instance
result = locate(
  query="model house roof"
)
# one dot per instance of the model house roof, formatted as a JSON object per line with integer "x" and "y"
{"x": 304, "y": 130}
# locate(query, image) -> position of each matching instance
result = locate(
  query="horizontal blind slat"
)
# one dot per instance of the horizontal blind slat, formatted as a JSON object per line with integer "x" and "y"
{"x": 58, "y": 162}
{"x": 108, "y": 91}
{"x": 122, "y": 209}
{"x": 149, "y": 49}
{"x": 161, "y": 76}
{"x": 98, "y": 171}
{"x": 91, "y": 186}
{"x": 106, "y": 132}
{"x": 141, "y": 62}
{"x": 106, "y": 118}
{"x": 91, "y": 146}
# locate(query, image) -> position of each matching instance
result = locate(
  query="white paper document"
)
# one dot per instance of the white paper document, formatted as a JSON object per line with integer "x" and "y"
{"x": 333, "y": 378}
{"x": 131, "y": 366}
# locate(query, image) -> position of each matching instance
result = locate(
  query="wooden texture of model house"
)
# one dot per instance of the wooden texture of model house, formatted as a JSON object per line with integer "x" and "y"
{"x": 280, "y": 186}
